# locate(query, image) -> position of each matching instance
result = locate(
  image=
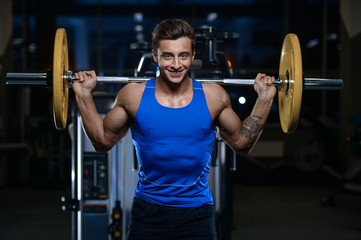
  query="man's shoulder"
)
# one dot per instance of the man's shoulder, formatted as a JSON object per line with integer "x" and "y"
{"x": 130, "y": 95}
{"x": 214, "y": 90}
{"x": 217, "y": 98}
{"x": 131, "y": 90}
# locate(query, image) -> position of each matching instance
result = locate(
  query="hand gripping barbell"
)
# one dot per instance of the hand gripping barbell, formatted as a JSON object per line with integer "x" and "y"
{"x": 290, "y": 82}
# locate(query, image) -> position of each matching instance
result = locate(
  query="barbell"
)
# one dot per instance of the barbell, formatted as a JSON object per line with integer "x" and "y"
{"x": 290, "y": 82}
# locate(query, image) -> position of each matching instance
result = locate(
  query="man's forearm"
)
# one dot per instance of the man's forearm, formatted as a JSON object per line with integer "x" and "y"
{"x": 253, "y": 125}
{"x": 251, "y": 130}
{"x": 91, "y": 119}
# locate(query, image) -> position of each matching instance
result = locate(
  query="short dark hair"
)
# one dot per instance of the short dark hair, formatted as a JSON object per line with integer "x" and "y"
{"x": 173, "y": 29}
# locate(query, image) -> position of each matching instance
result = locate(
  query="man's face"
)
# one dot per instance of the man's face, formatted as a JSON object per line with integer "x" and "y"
{"x": 174, "y": 59}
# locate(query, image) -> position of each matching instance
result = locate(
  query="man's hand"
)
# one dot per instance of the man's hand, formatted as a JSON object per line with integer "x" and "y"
{"x": 87, "y": 81}
{"x": 263, "y": 86}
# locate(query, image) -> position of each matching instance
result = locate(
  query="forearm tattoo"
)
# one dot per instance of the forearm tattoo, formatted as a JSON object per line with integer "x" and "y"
{"x": 251, "y": 128}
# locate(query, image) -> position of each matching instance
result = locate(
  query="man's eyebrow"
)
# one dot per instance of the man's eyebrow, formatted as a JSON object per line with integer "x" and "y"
{"x": 167, "y": 53}
{"x": 170, "y": 53}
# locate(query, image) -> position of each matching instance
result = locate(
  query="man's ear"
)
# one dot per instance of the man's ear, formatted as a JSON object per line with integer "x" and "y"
{"x": 193, "y": 54}
{"x": 155, "y": 56}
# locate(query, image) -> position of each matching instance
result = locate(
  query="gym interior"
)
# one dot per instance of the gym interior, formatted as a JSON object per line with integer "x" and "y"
{"x": 304, "y": 185}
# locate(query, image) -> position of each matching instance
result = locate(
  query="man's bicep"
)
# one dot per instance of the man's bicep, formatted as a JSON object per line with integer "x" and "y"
{"x": 229, "y": 125}
{"x": 116, "y": 124}
{"x": 119, "y": 118}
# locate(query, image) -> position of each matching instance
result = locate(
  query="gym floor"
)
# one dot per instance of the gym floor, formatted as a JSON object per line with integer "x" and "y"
{"x": 261, "y": 212}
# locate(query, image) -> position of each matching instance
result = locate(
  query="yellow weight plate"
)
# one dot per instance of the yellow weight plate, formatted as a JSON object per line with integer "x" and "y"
{"x": 60, "y": 83}
{"x": 290, "y": 93}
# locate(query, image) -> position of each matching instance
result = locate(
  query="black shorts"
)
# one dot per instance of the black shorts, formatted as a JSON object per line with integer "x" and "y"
{"x": 150, "y": 221}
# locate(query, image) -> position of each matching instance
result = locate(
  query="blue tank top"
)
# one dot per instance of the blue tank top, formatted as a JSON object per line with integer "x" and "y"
{"x": 174, "y": 147}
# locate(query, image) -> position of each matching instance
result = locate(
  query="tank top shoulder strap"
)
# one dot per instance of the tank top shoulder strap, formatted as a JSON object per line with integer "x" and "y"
{"x": 197, "y": 85}
{"x": 150, "y": 83}
{"x": 198, "y": 93}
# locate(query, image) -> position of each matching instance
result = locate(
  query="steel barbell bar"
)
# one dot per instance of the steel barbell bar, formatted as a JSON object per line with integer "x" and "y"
{"x": 44, "y": 79}
{"x": 290, "y": 82}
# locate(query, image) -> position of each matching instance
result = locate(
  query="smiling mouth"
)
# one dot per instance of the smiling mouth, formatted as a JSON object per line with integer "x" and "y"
{"x": 176, "y": 73}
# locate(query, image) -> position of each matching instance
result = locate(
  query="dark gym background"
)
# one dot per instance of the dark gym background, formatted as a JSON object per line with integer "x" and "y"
{"x": 300, "y": 186}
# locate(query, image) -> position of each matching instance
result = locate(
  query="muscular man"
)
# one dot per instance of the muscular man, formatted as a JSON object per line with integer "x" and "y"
{"x": 173, "y": 119}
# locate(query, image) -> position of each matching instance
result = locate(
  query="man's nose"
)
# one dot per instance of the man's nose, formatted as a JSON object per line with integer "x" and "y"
{"x": 176, "y": 63}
